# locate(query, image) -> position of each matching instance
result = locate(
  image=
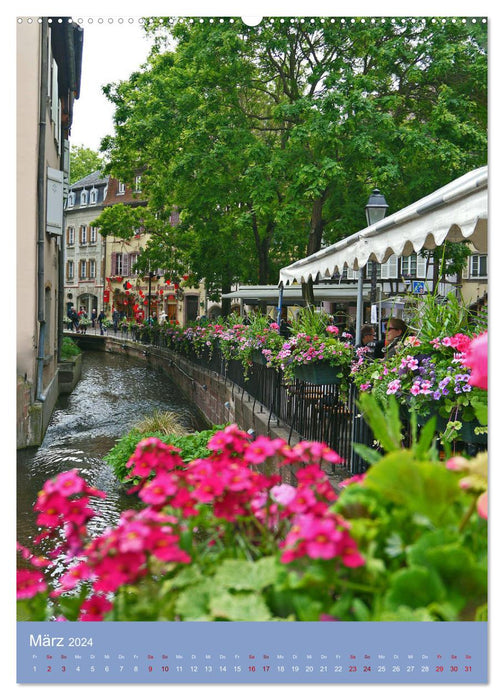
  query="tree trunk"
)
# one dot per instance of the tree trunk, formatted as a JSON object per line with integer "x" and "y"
{"x": 314, "y": 245}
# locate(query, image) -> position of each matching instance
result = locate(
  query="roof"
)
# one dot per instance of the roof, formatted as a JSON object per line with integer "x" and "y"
{"x": 456, "y": 212}
{"x": 96, "y": 178}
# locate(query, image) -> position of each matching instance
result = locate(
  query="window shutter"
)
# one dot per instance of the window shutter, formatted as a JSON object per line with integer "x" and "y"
{"x": 389, "y": 268}
{"x": 421, "y": 266}
{"x": 113, "y": 268}
{"x": 54, "y": 213}
{"x": 54, "y": 93}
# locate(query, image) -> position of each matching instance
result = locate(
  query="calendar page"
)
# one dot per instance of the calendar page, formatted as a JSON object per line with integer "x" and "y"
{"x": 212, "y": 201}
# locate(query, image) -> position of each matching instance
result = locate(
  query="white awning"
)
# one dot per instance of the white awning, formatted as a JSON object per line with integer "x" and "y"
{"x": 456, "y": 212}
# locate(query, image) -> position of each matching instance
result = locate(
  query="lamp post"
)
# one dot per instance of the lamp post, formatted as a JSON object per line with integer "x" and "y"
{"x": 376, "y": 210}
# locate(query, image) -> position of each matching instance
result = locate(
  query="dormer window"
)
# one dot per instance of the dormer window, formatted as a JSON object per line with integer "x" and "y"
{"x": 93, "y": 196}
{"x": 71, "y": 199}
{"x": 121, "y": 188}
{"x": 84, "y": 197}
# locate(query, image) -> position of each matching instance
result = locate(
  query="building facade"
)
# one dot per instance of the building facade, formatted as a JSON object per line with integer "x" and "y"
{"x": 85, "y": 249}
{"x": 49, "y": 59}
{"x": 138, "y": 297}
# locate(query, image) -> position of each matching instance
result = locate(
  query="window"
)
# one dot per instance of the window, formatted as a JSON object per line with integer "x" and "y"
{"x": 92, "y": 269}
{"x": 70, "y": 270}
{"x": 479, "y": 265}
{"x": 93, "y": 234}
{"x": 369, "y": 269}
{"x": 71, "y": 199}
{"x": 133, "y": 261}
{"x": 83, "y": 270}
{"x": 83, "y": 235}
{"x": 71, "y": 235}
{"x": 121, "y": 188}
{"x": 409, "y": 266}
{"x": 92, "y": 196}
{"x": 84, "y": 197}
{"x": 138, "y": 183}
{"x": 118, "y": 264}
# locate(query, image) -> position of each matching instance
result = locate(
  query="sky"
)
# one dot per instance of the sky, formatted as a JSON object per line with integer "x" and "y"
{"x": 112, "y": 50}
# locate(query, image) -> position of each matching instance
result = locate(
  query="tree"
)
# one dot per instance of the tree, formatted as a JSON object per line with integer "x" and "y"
{"x": 83, "y": 161}
{"x": 270, "y": 138}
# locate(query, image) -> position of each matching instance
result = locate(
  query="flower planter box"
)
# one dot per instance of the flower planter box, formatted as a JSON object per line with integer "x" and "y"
{"x": 317, "y": 373}
{"x": 466, "y": 434}
{"x": 258, "y": 357}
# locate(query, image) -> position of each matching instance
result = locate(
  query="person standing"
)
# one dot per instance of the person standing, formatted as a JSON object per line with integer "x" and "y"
{"x": 101, "y": 318}
{"x": 115, "y": 319}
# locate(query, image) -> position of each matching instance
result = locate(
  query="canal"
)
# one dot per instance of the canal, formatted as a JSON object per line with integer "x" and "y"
{"x": 113, "y": 394}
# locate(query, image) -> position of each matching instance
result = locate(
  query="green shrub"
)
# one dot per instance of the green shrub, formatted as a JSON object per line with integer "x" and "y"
{"x": 192, "y": 446}
{"x": 69, "y": 349}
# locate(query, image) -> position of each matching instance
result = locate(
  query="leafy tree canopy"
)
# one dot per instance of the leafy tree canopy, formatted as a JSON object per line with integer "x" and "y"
{"x": 83, "y": 161}
{"x": 269, "y": 139}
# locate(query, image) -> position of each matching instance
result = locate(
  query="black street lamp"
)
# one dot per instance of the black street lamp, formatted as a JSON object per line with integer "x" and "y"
{"x": 376, "y": 210}
{"x": 152, "y": 275}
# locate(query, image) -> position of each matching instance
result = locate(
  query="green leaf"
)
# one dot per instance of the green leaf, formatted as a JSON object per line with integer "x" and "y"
{"x": 415, "y": 587}
{"x": 386, "y": 425}
{"x": 242, "y": 575}
{"x": 423, "y": 487}
{"x": 239, "y": 607}
{"x": 367, "y": 453}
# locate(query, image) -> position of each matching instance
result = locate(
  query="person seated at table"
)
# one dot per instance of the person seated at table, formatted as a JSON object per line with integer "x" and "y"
{"x": 394, "y": 333}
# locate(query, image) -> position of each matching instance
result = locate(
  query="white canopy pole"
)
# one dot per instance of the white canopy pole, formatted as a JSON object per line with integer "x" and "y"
{"x": 358, "y": 319}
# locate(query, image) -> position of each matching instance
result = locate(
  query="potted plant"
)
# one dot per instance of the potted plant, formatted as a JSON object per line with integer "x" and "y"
{"x": 315, "y": 352}
{"x": 429, "y": 375}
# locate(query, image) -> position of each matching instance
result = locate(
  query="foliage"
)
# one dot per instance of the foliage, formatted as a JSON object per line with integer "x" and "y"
{"x": 69, "y": 349}
{"x": 218, "y": 540}
{"x": 83, "y": 161}
{"x": 167, "y": 422}
{"x": 430, "y": 373}
{"x": 191, "y": 445}
{"x": 268, "y": 138}
{"x": 303, "y": 348}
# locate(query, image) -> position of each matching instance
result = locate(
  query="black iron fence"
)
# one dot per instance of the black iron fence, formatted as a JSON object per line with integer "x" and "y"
{"x": 326, "y": 413}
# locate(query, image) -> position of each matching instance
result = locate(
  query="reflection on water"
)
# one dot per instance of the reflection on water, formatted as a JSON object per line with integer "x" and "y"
{"x": 114, "y": 393}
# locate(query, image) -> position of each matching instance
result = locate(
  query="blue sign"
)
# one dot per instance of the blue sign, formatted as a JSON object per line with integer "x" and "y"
{"x": 419, "y": 287}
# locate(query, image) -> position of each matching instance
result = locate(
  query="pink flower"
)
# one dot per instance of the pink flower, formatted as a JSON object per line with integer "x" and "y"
{"x": 157, "y": 491}
{"x": 283, "y": 493}
{"x": 332, "y": 329}
{"x": 95, "y": 608}
{"x": 483, "y": 505}
{"x": 477, "y": 359}
{"x": 393, "y": 386}
{"x": 259, "y": 450}
{"x": 29, "y": 583}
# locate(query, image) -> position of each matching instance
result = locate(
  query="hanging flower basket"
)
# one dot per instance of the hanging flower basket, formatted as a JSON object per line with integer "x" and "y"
{"x": 258, "y": 357}
{"x": 317, "y": 373}
{"x": 466, "y": 434}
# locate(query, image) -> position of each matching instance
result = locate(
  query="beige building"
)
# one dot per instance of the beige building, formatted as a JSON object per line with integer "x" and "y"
{"x": 49, "y": 57}
{"x": 136, "y": 297}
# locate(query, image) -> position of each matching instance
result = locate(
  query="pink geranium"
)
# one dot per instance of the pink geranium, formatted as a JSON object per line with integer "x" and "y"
{"x": 29, "y": 583}
{"x": 477, "y": 359}
{"x": 94, "y": 609}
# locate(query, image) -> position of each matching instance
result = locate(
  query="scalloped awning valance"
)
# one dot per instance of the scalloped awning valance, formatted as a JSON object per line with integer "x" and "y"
{"x": 456, "y": 212}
